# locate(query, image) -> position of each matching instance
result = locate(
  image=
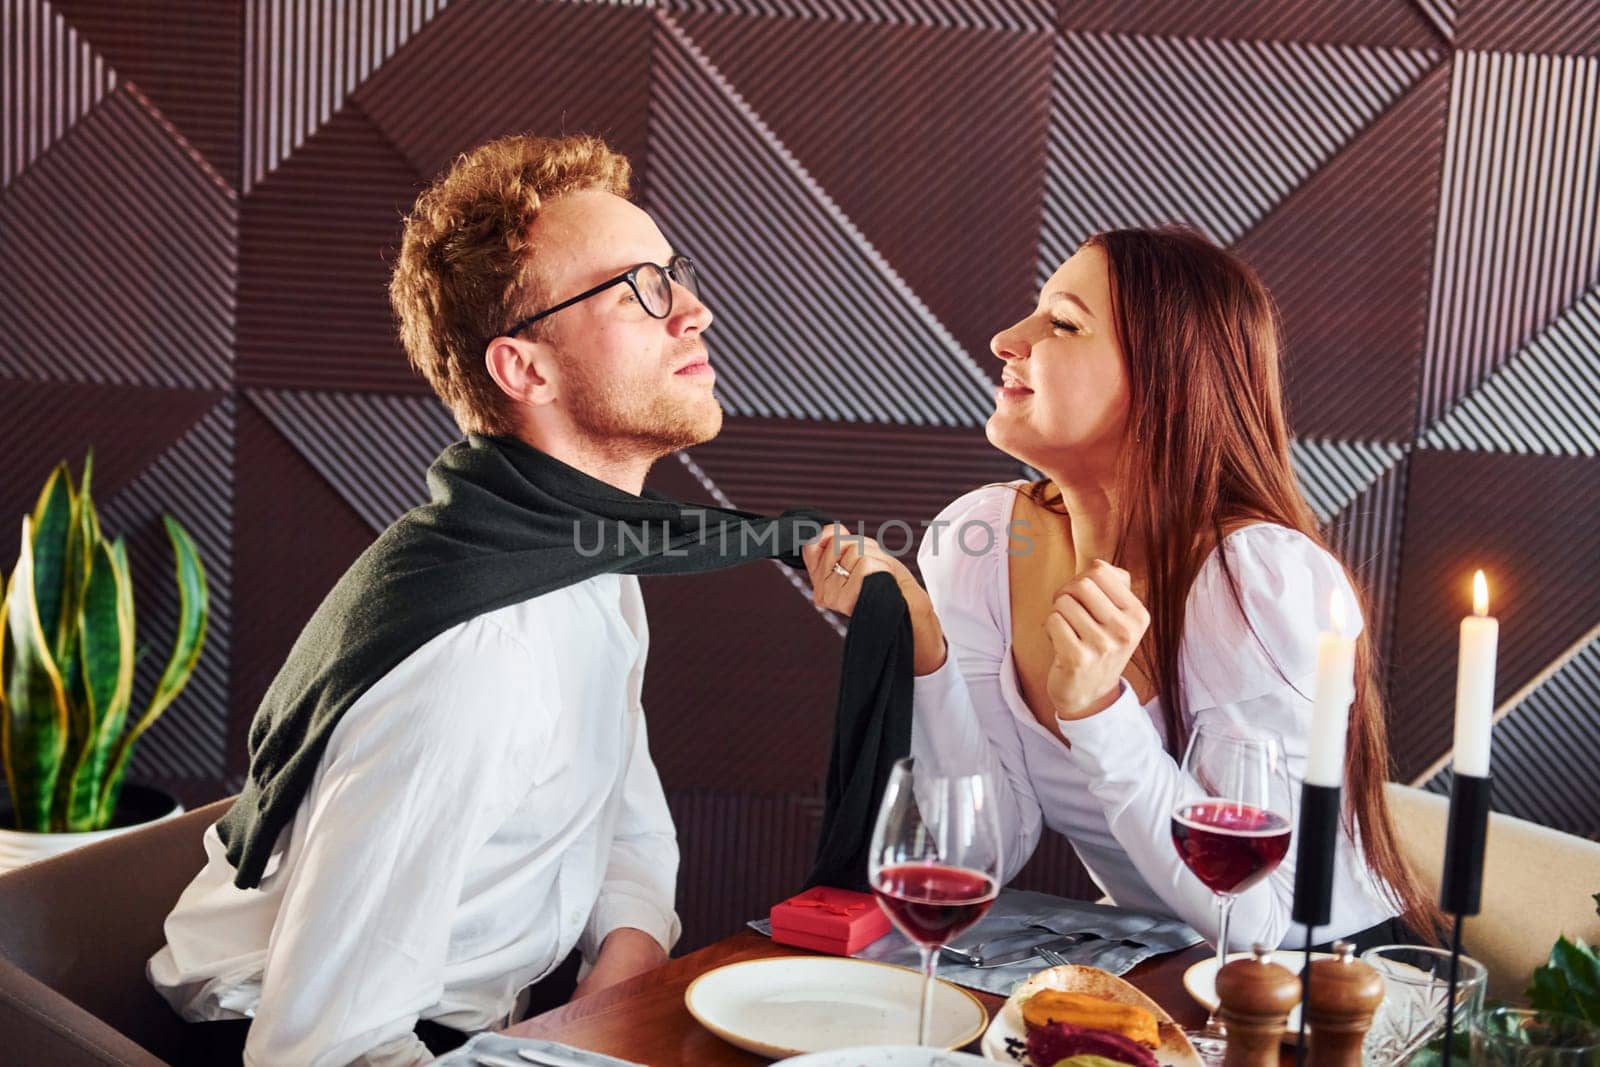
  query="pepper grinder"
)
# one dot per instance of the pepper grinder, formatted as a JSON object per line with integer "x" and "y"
{"x": 1344, "y": 995}
{"x": 1255, "y": 997}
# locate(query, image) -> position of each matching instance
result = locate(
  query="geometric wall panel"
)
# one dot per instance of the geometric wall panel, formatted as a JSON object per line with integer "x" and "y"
{"x": 1550, "y": 737}
{"x": 1529, "y": 522}
{"x": 52, "y": 78}
{"x": 1546, "y": 398}
{"x": 193, "y": 482}
{"x": 293, "y": 538}
{"x": 1394, "y": 23}
{"x": 860, "y": 475}
{"x": 48, "y": 422}
{"x": 750, "y": 649}
{"x": 734, "y": 852}
{"x": 1519, "y": 233}
{"x": 1566, "y": 27}
{"x": 184, "y": 56}
{"x": 1366, "y": 536}
{"x": 468, "y": 78}
{"x": 1333, "y": 473}
{"x": 117, "y": 257}
{"x": 1125, "y": 145}
{"x": 372, "y": 449}
{"x": 1347, "y": 257}
{"x": 897, "y": 153}
{"x": 302, "y": 58}
{"x": 1442, "y": 14}
{"x": 316, "y": 240}
{"x": 200, "y": 203}
{"x": 1014, "y": 15}
{"x": 812, "y": 321}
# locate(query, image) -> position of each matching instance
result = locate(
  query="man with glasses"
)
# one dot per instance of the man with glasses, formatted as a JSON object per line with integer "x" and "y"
{"x": 488, "y": 805}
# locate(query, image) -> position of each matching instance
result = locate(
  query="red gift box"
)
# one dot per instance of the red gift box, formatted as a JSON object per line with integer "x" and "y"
{"x": 829, "y": 920}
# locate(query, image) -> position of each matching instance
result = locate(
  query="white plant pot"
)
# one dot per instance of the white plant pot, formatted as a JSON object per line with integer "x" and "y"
{"x": 141, "y": 804}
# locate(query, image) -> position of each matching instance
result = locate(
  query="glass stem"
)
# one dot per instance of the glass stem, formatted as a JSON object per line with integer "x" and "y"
{"x": 1224, "y": 905}
{"x": 930, "y": 963}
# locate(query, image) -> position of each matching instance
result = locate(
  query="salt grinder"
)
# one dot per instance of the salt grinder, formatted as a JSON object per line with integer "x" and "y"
{"x": 1255, "y": 997}
{"x": 1344, "y": 995}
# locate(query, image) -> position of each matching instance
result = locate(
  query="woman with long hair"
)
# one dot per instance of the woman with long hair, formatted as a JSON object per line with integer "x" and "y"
{"x": 1164, "y": 571}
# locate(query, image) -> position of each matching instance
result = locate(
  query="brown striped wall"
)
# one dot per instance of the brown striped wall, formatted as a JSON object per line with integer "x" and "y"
{"x": 199, "y": 199}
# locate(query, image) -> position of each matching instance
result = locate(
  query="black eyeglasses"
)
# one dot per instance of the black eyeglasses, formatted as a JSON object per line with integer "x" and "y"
{"x": 651, "y": 284}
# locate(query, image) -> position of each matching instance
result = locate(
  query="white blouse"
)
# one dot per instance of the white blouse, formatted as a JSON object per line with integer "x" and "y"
{"x": 1113, "y": 792}
{"x": 483, "y": 808}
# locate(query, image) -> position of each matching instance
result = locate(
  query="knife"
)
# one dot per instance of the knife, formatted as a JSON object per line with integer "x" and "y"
{"x": 975, "y": 955}
{"x": 549, "y": 1059}
{"x": 557, "y": 1059}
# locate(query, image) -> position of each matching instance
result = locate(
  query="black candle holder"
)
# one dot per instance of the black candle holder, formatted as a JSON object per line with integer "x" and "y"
{"x": 1461, "y": 886}
{"x": 1320, "y": 808}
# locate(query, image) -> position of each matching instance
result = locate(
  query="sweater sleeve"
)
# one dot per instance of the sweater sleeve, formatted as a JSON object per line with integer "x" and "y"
{"x": 962, "y": 722}
{"x": 1256, "y": 667}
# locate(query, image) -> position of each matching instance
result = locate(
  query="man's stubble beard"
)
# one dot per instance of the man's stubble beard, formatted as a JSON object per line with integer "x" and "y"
{"x": 643, "y": 415}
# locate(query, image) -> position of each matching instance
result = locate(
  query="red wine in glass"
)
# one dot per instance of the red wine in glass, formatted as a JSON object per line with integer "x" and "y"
{"x": 933, "y": 904}
{"x": 1230, "y": 847}
{"x": 1232, "y": 828}
{"x": 934, "y": 862}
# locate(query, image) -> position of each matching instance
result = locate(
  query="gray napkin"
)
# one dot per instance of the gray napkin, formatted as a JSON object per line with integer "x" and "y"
{"x": 506, "y": 1048}
{"x": 1127, "y": 939}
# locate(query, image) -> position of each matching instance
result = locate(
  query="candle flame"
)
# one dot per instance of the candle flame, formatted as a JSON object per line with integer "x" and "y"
{"x": 1336, "y": 612}
{"x": 1480, "y": 594}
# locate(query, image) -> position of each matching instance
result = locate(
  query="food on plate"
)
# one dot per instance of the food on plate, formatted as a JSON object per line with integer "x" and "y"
{"x": 1050, "y": 1045}
{"x": 1089, "y": 1061}
{"x": 1089, "y": 1012}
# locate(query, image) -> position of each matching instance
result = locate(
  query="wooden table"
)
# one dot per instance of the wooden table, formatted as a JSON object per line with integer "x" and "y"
{"x": 644, "y": 1019}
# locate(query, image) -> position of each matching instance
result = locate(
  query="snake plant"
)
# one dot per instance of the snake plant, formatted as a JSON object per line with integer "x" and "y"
{"x": 67, "y": 658}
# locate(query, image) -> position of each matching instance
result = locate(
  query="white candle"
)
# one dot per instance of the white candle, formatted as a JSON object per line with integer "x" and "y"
{"x": 1336, "y": 688}
{"x": 1480, "y": 634}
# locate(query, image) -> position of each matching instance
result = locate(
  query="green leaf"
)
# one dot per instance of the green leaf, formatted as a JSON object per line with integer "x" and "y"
{"x": 34, "y": 732}
{"x": 52, "y": 524}
{"x": 193, "y": 613}
{"x": 1569, "y": 982}
{"x": 63, "y": 636}
{"x": 107, "y": 679}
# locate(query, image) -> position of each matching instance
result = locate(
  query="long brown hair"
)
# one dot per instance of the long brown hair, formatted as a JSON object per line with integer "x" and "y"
{"x": 1207, "y": 447}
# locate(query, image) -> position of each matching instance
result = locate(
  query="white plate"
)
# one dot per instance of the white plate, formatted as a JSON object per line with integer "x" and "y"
{"x": 885, "y": 1056}
{"x": 790, "y": 1005}
{"x": 1007, "y": 1027}
{"x": 1201, "y": 982}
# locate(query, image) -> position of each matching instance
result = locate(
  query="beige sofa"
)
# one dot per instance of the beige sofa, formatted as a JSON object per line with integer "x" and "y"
{"x": 1538, "y": 884}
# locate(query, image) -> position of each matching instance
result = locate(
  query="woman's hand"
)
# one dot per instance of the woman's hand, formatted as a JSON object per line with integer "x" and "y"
{"x": 1095, "y": 626}
{"x": 858, "y": 557}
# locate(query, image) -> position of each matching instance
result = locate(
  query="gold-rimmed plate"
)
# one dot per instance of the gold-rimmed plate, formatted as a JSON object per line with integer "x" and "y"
{"x": 790, "y": 1005}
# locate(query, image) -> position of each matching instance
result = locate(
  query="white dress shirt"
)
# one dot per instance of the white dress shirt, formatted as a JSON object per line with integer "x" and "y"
{"x": 1114, "y": 791}
{"x": 485, "y": 807}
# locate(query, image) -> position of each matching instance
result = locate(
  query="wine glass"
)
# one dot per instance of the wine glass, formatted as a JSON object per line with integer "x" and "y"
{"x": 1235, "y": 830}
{"x": 934, "y": 862}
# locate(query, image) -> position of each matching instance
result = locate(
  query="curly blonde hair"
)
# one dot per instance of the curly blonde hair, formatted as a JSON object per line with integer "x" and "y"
{"x": 465, "y": 268}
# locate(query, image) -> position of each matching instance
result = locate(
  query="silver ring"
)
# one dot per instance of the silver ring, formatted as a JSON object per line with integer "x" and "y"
{"x": 840, "y": 571}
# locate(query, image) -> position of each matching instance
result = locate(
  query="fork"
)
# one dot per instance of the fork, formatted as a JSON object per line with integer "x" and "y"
{"x": 1058, "y": 959}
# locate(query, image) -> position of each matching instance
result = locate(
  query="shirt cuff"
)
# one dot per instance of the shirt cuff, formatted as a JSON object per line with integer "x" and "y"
{"x": 1115, "y": 742}
{"x": 620, "y": 910}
